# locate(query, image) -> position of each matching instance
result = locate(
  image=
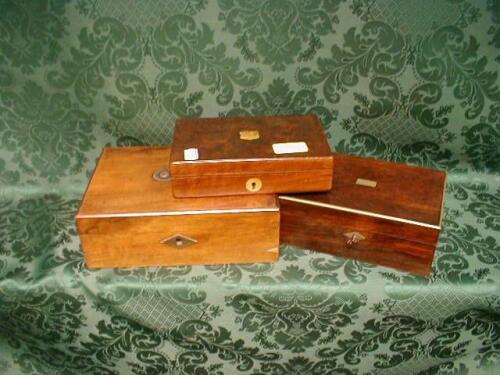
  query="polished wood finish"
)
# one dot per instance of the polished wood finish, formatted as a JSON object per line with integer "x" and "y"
{"x": 233, "y": 184}
{"x": 221, "y": 238}
{"x": 126, "y": 216}
{"x": 323, "y": 229}
{"x": 123, "y": 184}
{"x": 399, "y": 218}
{"x": 403, "y": 191}
{"x": 226, "y": 162}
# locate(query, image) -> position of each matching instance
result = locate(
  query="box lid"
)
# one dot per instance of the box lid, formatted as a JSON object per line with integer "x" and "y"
{"x": 384, "y": 190}
{"x": 123, "y": 185}
{"x": 247, "y": 145}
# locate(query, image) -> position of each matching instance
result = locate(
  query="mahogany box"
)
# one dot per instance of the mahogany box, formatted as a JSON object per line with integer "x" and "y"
{"x": 377, "y": 211}
{"x": 250, "y": 155}
{"x": 128, "y": 218}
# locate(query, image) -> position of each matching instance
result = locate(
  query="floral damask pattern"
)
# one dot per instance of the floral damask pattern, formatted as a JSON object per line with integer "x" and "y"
{"x": 47, "y": 135}
{"x": 378, "y": 49}
{"x": 303, "y": 365}
{"x": 34, "y": 226}
{"x": 109, "y": 47}
{"x": 481, "y": 146}
{"x": 396, "y": 80}
{"x": 282, "y": 32}
{"x": 181, "y": 45}
{"x": 446, "y": 57}
{"x": 355, "y": 271}
{"x": 279, "y": 99}
{"x": 8, "y": 177}
{"x": 296, "y": 320}
{"x": 420, "y": 153}
{"x": 31, "y": 33}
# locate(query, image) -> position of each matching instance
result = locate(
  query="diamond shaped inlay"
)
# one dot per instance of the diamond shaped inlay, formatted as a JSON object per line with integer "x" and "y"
{"x": 178, "y": 241}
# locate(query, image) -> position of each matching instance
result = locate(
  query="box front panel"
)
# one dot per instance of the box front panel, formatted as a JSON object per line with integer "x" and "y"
{"x": 180, "y": 239}
{"x": 356, "y": 237}
{"x": 264, "y": 183}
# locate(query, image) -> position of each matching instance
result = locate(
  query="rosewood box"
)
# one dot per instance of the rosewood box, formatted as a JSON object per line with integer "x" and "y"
{"x": 377, "y": 211}
{"x": 128, "y": 218}
{"x": 250, "y": 155}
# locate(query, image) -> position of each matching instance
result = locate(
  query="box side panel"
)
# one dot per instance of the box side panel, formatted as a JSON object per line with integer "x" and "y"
{"x": 214, "y": 239}
{"x": 356, "y": 237}
{"x": 258, "y": 183}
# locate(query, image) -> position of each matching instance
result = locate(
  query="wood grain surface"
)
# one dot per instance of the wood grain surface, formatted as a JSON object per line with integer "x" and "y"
{"x": 220, "y": 239}
{"x": 123, "y": 184}
{"x": 126, "y": 216}
{"x": 235, "y": 184}
{"x": 403, "y": 191}
{"x": 226, "y": 161}
{"x": 395, "y": 208}
{"x": 402, "y": 246}
{"x": 219, "y": 138}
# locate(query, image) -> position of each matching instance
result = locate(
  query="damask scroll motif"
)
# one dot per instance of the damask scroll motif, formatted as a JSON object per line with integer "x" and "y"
{"x": 31, "y": 33}
{"x": 377, "y": 49}
{"x": 279, "y": 33}
{"x": 48, "y": 135}
{"x": 447, "y": 58}
{"x": 180, "y": 46}
{"x": 298, "y": 319}
{"x": 32, "y": 227}
{"x": 109, "y": 47}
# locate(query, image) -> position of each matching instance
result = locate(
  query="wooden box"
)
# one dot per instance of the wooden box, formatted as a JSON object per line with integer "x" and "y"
{"x": 249, "y": 155}
{"x": 129, "y": 218}
{"x": 377, "y": 211}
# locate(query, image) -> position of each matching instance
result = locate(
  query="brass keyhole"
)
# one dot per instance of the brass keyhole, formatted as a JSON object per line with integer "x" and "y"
{"x": 254, "y": 184}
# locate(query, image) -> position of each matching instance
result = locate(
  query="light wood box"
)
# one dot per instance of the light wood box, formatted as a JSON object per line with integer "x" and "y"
{"x": 129, "y": 218}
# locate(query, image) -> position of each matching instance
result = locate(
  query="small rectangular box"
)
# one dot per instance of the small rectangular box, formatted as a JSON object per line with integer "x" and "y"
{"x": 250, "y": 155}
{"x": 377, "y": 211}
{"x": 129, "y": 218}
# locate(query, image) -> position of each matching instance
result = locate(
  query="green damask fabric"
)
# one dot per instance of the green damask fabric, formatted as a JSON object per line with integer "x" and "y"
{"x": 409, "y": 81}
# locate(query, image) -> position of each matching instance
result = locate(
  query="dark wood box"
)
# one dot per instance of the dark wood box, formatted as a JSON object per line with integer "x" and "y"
{"x": 243, "y": 155}
{"x": 379, "y": 212}
{"x": 128, "y": 218}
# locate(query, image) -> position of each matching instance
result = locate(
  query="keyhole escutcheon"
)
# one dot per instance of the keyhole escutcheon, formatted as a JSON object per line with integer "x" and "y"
{"x": 253, "y": 184}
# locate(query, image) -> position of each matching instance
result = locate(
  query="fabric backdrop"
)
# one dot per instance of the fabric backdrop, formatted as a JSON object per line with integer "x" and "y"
{"x": 408, "y": 81}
